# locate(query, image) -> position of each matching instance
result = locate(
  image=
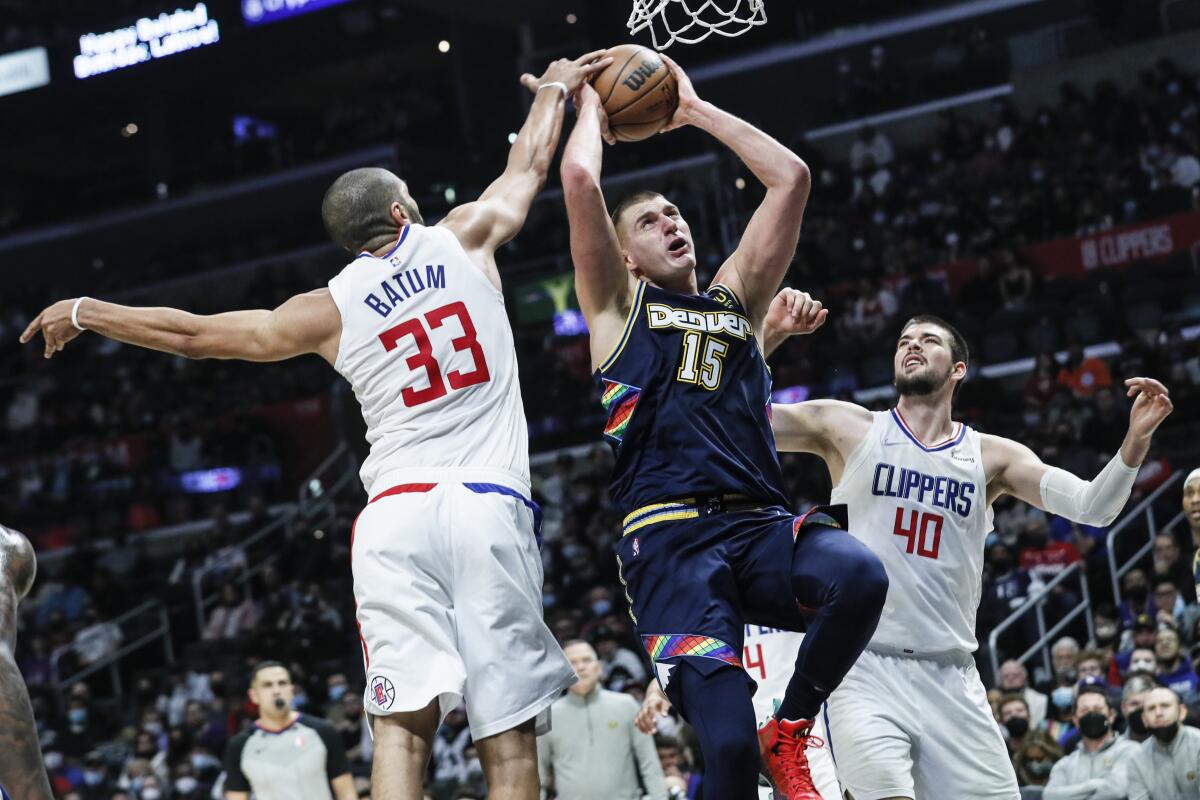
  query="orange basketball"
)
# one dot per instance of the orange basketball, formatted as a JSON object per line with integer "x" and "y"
{"x": 638, "y": 92}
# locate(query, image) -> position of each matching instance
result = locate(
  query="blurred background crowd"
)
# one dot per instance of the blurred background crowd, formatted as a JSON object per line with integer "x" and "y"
{"x": 1032, "y": 174}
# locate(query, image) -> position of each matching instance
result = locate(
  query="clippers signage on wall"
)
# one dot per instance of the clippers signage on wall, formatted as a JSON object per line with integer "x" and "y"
{"x": 24, "y": 69}
{"x": 148, "y": 39}
{"x": 260, "y": 12}
{"x": 1118, "y": 247}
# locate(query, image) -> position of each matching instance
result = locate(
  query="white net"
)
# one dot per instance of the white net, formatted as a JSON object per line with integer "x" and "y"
{"x": 691, "y": 21}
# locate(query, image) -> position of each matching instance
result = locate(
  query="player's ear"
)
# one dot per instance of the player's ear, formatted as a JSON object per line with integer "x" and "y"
{"x": 1183, "y": 709}
{"x": 398, "y": 214}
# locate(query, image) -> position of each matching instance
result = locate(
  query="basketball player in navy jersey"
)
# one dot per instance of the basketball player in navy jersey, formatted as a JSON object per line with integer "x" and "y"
{"x": 21, "y": 772}
{"x": 912, "y": 718}
{"x": 708, "y": 542}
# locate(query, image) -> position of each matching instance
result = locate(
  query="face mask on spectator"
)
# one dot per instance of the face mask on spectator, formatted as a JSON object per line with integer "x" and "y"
{"x": 153, "y": 728}
{"x": 1106, "y": 634}
{"x": 1137, "y": 725}
{"x": 1017, "y": 727}
{"x": 201, "y": 761}
{"x": 151, "y": 793}
{"x": 549, "y": 600}
{"x": 77, "y": 716}
{"x": 601, "y": 607}
{"x": 93, "y": 777}
{"x": 1137, "y": 592}
{"x": 1143, "y": 664}
{"x": 185, "y": 785}
{"x": 299, "y": 701}
{"x": 1062, "y": 697}
{"x": 53, "y": 760}
{"x": 1070, "y": 675}
{"x": 1165, "y": 733}
{"x": 336, "y": 692}
{"x": 1093, "y": 725}
{"x": 1039, "y": 769}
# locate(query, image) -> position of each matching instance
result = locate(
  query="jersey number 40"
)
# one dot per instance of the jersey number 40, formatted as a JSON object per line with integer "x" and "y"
{"x": 423, "y": 358}
{"x": 922, "y": 530}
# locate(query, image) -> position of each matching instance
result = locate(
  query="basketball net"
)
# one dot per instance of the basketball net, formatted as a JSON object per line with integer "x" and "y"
{"x": 692, "y": 21}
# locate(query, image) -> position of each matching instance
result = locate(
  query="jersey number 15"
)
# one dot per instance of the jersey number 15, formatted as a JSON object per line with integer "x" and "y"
{"x": 424, "y": 359}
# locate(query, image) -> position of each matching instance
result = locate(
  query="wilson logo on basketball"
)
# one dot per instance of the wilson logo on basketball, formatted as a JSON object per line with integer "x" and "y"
{"x": 638, "y": 77}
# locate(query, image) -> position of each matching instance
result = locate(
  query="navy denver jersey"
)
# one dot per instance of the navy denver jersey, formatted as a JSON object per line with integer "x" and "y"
{"x": 688, "y": 399}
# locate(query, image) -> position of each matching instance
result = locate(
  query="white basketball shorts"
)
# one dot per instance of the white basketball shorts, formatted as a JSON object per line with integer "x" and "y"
{"x": 913, "y": 727}
{"x": 448, "y": 585}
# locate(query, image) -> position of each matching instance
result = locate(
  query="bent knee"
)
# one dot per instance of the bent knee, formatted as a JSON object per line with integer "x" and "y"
{"x": 864, "y": 580}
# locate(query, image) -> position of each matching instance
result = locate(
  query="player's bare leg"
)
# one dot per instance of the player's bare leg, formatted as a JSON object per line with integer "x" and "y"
{"x": 403, "y": 743}
{"x": 21, "y": 771}
{"x": 509, "y": 762}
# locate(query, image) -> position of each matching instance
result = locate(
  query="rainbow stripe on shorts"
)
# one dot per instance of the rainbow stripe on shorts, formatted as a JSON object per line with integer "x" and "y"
{"x": 671, "y": 645}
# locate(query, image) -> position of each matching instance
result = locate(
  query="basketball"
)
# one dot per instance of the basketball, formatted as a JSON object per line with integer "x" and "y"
{"x": 638, "y": 92}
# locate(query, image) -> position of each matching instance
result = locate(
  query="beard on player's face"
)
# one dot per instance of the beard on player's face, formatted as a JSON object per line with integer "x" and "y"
{"x": 922, "y": 382}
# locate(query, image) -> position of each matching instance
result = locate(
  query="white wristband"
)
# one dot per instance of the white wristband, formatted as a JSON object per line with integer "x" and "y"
{"x": 559, "y": 84}
{"x": 75, "y": 314}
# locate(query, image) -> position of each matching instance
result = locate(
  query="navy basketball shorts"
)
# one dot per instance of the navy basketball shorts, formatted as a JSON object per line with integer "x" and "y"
{"x": 695, "y": 576}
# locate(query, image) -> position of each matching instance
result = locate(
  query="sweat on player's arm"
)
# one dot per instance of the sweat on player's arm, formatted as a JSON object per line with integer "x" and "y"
{"x": 1015, "y": 469}
{"x": 767, "y": 246}
{"x": 306, "y": 323}
{"x": 498, "y": 214}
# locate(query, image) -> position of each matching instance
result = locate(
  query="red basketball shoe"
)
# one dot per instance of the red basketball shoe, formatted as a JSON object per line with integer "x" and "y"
{"x": 782, "y": 744}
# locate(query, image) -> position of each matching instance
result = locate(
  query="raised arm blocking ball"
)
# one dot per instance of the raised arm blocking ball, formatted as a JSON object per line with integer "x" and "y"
{"x": 638, "y": 92}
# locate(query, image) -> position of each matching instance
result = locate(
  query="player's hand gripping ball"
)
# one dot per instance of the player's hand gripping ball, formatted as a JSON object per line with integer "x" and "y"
{"x": 639, "y": 91}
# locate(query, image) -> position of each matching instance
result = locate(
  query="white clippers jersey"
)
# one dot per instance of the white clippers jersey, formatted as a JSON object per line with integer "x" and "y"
{"x": 427, "y": 347}
{"x": 769, "y": 657}
{"x": 924, "y": 512}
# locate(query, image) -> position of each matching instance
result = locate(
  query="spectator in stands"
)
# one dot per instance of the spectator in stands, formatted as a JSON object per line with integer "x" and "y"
{"x": 1084, "y": 376}
{"x": 1016, "y": 281}
{"x": 1098, "y": 765}
{"x": 586, "y": 760}
{"x": 1036, "y": 758}
{"x": 1132, "y": 698}
{"x": 1167, "y": 761}
{"x": 234, "y": 616}
{"x": 1135, "y": 588}
{"x": 1015, "y": 720}
{"x": 1174, "y": 671}
{"x": 1191, "y": 513}
{"x": 1059, "y": 722}
{"x": 97, "y": 640}
{"x": 1168, "y": 603}
{"x": 1014, "y": 679}
{"x": 1090, "y": 664}
{"x": 1062, "y": 659}
{"x": 621, "y": 666}
{"x": 871, "y": 311}
{"x": 1169, "y": 563}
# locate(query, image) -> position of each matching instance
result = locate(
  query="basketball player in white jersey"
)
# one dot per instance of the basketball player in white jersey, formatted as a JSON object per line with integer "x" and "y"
{"x": 769, "y": 657}
{"x": 447, "y": 576}
{"x": 911, "y": 719}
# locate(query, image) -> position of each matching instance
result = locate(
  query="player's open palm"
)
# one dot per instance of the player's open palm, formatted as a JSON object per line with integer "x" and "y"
{"x": 1151, "y": 405}
{"x": 793, "y": 312}
{"x": 568, "y": 72}
{"x": 55, "y": 324}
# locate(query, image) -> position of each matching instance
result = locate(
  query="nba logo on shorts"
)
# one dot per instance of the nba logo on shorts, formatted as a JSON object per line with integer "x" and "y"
{"x": 382, "y": 692}
{"x": 637, "y": 545}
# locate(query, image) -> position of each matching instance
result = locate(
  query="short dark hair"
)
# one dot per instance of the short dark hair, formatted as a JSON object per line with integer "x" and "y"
{"x": 356, "y": 208}
{"x": 1093, "y": 689}
{"x": 958, "y": 343}
{"x": 627, "y": 202}
{"x": 260, "y": 666}
{"x": 1013, "y": 697}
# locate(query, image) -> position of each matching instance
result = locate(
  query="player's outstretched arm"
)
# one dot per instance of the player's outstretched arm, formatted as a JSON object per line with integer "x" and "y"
{"x": 307, "y": 323}
{"x": 758, "y": 265}
{"x": 602, "y": 282}
{"x": 1013, "y": 468}
{"x": 500, "y": 211}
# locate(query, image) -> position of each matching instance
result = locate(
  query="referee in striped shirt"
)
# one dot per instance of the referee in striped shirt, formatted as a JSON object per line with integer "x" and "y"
{"x": 286, "y": 755}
